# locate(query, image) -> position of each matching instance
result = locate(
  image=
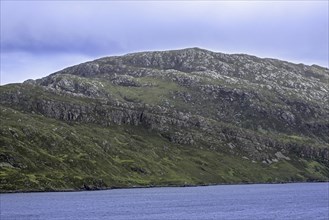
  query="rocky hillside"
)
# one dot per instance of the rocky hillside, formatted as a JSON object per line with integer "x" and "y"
{"x": 181, "y": 117}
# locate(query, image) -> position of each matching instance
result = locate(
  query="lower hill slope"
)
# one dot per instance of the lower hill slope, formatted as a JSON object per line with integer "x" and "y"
{"x": 43, "y": 154}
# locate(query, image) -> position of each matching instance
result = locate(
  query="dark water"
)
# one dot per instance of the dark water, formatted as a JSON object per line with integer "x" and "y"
{"x": 259, "y": 201}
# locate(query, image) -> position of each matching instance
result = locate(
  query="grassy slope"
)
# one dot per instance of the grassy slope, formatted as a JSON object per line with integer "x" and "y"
{"x": 40, "y": 154}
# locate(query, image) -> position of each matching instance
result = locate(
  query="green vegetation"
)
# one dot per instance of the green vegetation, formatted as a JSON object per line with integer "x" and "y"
{"x": 154, "y": 94}
{"x": 39, "y": 153}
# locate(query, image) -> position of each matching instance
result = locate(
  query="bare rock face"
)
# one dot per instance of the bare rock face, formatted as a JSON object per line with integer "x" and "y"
{"x": 262, "y": 107}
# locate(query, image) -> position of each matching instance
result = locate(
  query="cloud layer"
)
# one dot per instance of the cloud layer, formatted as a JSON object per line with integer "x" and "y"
{"x": 39, "y": 33}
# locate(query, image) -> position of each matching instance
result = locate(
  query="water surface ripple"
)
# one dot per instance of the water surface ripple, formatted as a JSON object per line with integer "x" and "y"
{"x": 257, "y": 201}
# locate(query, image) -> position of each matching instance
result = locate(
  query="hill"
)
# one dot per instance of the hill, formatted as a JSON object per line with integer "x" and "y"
{"x": 183, "y": 117}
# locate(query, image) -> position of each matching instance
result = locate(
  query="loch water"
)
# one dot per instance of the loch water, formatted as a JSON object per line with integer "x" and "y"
{"x": 255, "y": 201}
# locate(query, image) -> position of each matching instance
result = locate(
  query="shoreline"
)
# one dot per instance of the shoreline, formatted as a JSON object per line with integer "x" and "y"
{"x": 153, "y": 186}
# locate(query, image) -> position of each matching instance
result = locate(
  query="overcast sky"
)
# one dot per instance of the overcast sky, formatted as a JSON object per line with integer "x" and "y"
{"x": 41, "y": 37}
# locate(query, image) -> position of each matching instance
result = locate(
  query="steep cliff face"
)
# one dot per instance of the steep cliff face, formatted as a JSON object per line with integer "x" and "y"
{"x": 263, "y": 112}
